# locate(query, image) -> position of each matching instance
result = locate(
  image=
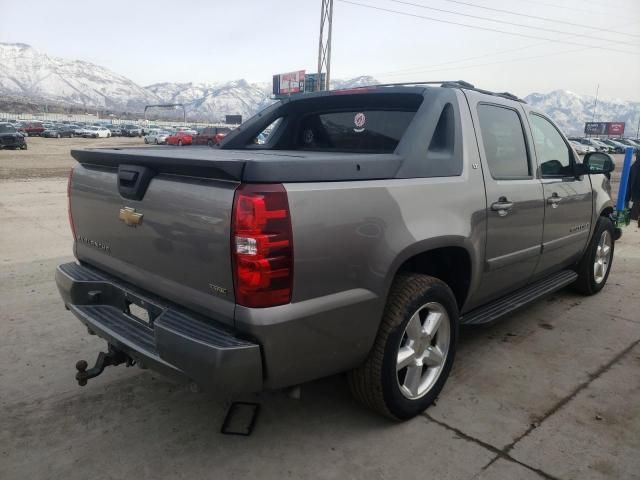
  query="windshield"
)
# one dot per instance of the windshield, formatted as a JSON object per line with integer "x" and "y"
{"x": 4, "y": 128}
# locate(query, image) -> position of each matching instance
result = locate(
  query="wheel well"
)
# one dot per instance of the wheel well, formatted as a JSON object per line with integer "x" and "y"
{"x": 606, "y": 212}
{"x": 452, "y": 265}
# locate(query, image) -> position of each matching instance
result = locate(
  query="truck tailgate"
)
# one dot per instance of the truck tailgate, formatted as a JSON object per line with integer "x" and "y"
{"x": 179, "y": 248}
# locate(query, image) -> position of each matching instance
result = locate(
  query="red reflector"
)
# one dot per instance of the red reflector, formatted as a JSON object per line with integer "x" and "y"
{"x": 69, "y": 213}
{"x": 262, "y": 245}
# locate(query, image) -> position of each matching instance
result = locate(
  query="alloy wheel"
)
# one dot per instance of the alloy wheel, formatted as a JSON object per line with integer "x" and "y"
{"x": 602, "y": 257}
{"x": 423, "y": 350}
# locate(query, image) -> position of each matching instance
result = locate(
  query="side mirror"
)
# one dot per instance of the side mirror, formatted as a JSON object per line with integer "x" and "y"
{"x": 598, "y": 162}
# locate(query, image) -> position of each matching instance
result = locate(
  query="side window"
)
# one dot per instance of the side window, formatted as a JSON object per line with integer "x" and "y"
{"x": 553, "y": 154}
{"x": 263, "y": 136}
{"x": 504, "y": 145}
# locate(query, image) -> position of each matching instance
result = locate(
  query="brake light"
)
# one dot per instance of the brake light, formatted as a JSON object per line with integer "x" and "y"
{"x": 70, "y": 214}
{"x": 262, "y": 245}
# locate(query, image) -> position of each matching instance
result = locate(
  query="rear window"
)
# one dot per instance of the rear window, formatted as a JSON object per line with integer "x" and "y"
{"x": 376, "y": 131}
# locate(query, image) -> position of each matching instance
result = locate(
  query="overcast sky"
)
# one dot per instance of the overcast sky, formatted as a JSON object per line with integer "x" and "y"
{"x": 200, "y": 41}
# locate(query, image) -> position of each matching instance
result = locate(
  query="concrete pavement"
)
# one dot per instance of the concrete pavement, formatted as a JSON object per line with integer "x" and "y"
{"x": 551, "y": 392}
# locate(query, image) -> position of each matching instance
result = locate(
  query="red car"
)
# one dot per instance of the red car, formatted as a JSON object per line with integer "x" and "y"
{"x": 180, "y": 139}
{"x": 210, "y": 136}
{"x": 32, "y": 129}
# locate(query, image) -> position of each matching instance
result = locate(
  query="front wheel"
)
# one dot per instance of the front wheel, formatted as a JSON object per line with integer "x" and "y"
{"x": 179, "y": 143}
{"x": 414, "y": 350}
{"x": 146, "y": 140}
{"x": 595, "y": 265}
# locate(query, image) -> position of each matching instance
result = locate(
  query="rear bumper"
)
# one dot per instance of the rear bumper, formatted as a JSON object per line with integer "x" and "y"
{"x": 176, "y": 343}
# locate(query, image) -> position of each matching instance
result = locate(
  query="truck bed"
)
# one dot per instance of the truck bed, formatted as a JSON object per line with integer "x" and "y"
{"x": 248, "y": 165}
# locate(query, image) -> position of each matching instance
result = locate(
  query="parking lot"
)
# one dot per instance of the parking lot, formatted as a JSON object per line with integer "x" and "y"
{"x": 551, "y": 392}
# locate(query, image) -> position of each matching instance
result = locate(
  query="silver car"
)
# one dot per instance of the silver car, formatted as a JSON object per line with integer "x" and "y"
{"x": 156, "y": 137}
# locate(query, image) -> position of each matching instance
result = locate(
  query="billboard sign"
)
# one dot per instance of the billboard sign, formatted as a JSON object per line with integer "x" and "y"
{"x": 604, "y": 128}
{"x": 615, "y": 128}
{"x": 595, "y": 128}
{"x": 310, "y": 82}
{"x": 288, "y": 83}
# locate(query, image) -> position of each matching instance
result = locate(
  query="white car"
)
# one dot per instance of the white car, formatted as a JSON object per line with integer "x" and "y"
{"x": 580, "y": 148}
{"x": 156, "y": 137}
{"x": 188, "y": 130}
{"x": 96, "y": 132}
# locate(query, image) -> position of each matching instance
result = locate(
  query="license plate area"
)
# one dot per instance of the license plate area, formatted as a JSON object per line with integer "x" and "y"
{"x": 141, "y": 310}
{"x": 139, "y": 313}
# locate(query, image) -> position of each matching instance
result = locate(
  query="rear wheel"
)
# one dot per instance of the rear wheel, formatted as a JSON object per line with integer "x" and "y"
{"x": 414, "y": 350}
{"x": 145, "y": 140}
{"x": 593, "y": 270}
{"x": 179, "y": 143}
{"x": 156, "y": 141}
{"x": 209, "y": 143}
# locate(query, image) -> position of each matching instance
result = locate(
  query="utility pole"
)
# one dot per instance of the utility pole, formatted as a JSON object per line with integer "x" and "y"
{"x": 595, "y": 105}
{"x": 324, "y": 43}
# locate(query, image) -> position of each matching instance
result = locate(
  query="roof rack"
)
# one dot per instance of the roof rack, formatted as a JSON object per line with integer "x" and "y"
{"x": 449, "y": 84}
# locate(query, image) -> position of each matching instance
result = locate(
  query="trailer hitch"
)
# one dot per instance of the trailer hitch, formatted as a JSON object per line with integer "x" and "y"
{"x": 112, "y": 357}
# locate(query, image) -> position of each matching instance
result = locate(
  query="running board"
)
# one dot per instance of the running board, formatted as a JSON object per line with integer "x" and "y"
{"x": 518, "y": 299}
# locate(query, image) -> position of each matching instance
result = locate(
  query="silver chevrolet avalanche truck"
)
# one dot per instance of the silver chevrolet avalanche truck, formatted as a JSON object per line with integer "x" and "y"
{"x": 343, "y": 231}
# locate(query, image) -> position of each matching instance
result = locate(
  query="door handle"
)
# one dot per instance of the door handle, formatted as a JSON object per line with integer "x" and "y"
{"x": 554, "y": 200}
{"x": 502, "y": 206}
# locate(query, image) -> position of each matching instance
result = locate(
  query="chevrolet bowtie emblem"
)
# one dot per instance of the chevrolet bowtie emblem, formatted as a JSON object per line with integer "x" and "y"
{"x": 130, "y": 217}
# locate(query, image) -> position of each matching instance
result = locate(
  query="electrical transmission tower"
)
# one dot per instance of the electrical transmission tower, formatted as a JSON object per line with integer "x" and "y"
{"x": 324, "y": 43}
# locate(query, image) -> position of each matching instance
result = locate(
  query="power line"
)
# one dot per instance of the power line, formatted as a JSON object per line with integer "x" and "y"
{"x": 514, "y": 23}
{"x": 546, "y": 19}
{"x": 493, "y": 54}
{"x": 498, "y": 62}
{"x": 477, "y": 27}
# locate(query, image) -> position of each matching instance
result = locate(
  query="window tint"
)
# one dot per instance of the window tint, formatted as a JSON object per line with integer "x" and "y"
{"x": 553, "y": 154}
{"x": 376, "y": 131}
{"x": 504, "y": 145}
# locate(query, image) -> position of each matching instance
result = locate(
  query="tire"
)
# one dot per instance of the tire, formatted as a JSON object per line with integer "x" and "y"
{"x": 145, "y": 140}
{"x": 156, "y": 141}
{"x": 377, "y": 383}
{"x": 594, "y": 267}
{"x": 23, "y": 146}
{"x": 210, "y": 144}
{"x": 179, "y": 143}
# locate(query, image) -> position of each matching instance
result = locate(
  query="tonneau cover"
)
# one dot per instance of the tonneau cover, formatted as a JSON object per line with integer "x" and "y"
{"x": 249, "y": 165}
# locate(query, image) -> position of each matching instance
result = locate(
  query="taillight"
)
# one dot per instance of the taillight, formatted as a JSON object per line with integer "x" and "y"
{"x": 73, "y": 228}
{"x": 262, "y": 245}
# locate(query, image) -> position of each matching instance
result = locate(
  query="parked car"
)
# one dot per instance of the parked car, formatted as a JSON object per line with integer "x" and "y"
{"x": 597, "y": 146}
{"x": 156, "y": 137}
{"x": 97, "y": 132}
{"x": 57, "y": 132}
{"x": 33, "y": 129}
{"x": 188, "y": 130}
{"x": 81, "y": 131}
{"x": 11, "y": 138}
{"x": 115, "y": 130}
{"x": 210, "y": 136}
{"x": 180, "y": 139}
{"x": 579, "y": 147}
{"x": 617, "y": 146}
{"x": 601, "y": 146}
{"x": 629, "y": 143}
{"x": 362, "y": 252}
{"x": 131, "y": 130}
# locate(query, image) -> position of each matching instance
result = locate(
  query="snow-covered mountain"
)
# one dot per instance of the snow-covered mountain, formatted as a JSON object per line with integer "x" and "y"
{"x": 570, "y": 110}
{"x": 29, "y": 75}
{"x": 214, "y": 100}
{"x": 27, "y": 72}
